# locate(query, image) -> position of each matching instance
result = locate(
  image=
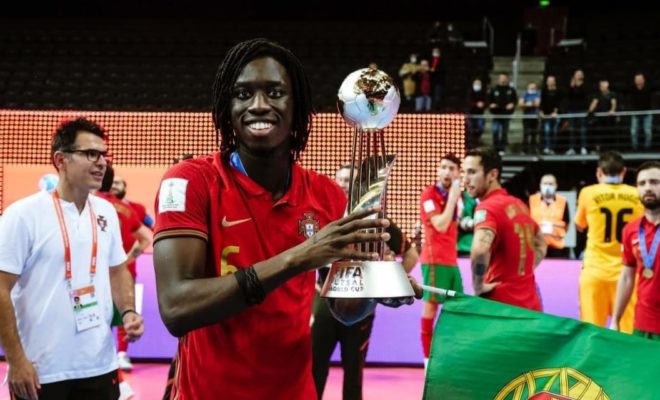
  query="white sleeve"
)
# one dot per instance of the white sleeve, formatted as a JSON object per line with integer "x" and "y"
{"x": 15, "y": 240}
{"x": 117, "y": 253}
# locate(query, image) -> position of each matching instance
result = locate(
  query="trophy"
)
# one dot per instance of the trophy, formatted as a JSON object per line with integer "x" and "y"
{"x": 368, "y": 100}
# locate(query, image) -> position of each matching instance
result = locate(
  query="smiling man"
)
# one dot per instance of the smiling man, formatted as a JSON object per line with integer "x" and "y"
{"x": 507, "y": 245}
{"x": 240, "y": 232}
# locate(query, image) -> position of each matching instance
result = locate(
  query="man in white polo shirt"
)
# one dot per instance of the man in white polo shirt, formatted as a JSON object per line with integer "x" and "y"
{"x": 61, "y": 267}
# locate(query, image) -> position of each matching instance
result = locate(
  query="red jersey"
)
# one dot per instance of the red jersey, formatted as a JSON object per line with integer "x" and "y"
{"x": 265, "y": 351}
{"x": 647, "y": 310}
{"x": 128, "y": 223}
{"x": 439, "y": 247}
{"x": 512, "y": 251}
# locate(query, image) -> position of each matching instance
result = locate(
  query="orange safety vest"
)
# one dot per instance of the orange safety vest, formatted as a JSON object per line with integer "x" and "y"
{"x": 550, "y": 217}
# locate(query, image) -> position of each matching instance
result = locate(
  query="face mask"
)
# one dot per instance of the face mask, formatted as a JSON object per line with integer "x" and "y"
{"x": 613, "y": 179}
{"x": 476, "y": 88}
{"x": 531, "y": 91}
{"x": 413, "y": 60}
{"x": 548, "y": 190}
{"x": 436, "y": 54}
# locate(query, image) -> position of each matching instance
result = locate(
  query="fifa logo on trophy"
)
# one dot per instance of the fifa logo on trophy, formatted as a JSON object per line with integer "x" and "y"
{"x": 368, "y": 100}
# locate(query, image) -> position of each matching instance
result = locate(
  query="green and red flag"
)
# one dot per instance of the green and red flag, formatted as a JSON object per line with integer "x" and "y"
{"x": 484, "y": 350}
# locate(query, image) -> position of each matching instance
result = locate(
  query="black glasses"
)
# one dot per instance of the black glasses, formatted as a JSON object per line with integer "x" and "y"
{"x": 93, "y": 155}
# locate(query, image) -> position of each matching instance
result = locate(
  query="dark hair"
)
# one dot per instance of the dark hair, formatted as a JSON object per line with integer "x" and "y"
{"x": 109, "y": 176}
{"x": 490, "y": 159}
{"x": 66, "y": 134}
{"x": 451, "y": 157}
{"x": 648, "y": 165}
{"x": 230, "y": 68}
{"x": 611, "y": 163}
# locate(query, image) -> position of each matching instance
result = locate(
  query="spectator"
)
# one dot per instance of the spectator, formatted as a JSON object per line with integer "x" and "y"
{"x": 438, "y": 72}
{"x": 577, "y": 102}
{"x": 423, "y": 87}
{"x": 604, "y": 102}
{"x": 476, "y": 107}
{"x": 640, "y": 100}
{"x": 549, "y": 108}
{"x": 407, "y": 75}
{"x": 530, "y": 104}
{"x": 503, "y": 99}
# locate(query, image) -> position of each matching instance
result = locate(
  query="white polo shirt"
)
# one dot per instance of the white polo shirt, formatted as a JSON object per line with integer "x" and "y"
{"x": 31, "y": 246}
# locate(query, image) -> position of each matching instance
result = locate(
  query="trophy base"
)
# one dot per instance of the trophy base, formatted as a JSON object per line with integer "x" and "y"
{"x": 367, "y": 280}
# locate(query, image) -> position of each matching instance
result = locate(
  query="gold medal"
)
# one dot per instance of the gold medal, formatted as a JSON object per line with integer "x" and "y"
{"x": 648, "y": 273}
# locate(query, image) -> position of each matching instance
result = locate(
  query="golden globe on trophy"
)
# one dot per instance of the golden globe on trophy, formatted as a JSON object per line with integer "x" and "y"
{"x": 368, "y": 100}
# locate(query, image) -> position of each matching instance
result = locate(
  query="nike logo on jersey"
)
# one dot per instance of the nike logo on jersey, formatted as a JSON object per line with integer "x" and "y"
{"x": 227, "y": 224}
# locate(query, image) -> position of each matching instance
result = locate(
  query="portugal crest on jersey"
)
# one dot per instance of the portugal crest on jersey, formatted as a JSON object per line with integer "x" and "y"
{"x": 102, "y": 222}
{"x": 308, "y": 225}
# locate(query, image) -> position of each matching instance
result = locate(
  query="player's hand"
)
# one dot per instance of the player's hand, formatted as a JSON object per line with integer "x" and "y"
{"x": 396, "y": 302}
{"x": 335, "y": 241}
{"x": 23, "y": 380}
{"x": 455, "y": 190}
{"x": 133, "y": 325}
{"x": 614, "y": 325}
{"x": 486, "y": 288}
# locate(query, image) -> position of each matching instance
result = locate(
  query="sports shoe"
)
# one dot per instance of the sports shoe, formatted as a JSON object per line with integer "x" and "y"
{"x": 584, "y": 151}
{"x": 125, "y": 391}
{"x": 570, "y": 152}
{"x": 124, "y": 361}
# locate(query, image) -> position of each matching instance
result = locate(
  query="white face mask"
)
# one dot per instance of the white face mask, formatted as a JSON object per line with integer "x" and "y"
{"x": 531, "y": 91}
{"x": 413, "y": 60}
{"x": 613, "y": 179}
{"x": 548, "y": 190}
{"x": 436, "y": 54}
{"x": 476, "y": 87}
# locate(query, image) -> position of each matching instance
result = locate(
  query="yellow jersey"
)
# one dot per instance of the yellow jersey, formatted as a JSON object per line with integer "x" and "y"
{"x": 604, "y": 209}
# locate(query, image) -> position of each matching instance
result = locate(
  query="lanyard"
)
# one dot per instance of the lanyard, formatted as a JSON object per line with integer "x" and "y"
{"x": 65, "y": 238}
{"x": 648, "y": 258}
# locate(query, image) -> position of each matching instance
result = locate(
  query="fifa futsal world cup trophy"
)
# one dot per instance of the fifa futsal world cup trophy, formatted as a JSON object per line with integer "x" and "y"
{"x": 368, "y": 100}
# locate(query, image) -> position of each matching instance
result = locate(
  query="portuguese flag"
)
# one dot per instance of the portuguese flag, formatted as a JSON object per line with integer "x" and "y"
{"x": 484, "y": 350}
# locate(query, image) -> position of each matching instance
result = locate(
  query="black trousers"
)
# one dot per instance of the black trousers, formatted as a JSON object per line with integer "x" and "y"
{"x": 102, "y": 387}
{"x": 354, "y": 340}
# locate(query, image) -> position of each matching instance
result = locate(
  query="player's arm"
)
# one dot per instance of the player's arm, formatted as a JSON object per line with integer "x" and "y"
{"x": 624, "y": 289}
{"x": 22, "y": 376}
{"x": 480, "y": 258}
{"x": 410, "y": 258}
{"x": 581, "y": 213}
{"x": 540, "y": 248}
{"x": 189, "y": 299}
{"x": 441, "y": 222}
{"x": 142, "y": 241}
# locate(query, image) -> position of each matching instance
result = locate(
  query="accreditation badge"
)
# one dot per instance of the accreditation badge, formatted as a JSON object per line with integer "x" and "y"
{"x": 86, "y": 310}
{"x": 546, "y": 227}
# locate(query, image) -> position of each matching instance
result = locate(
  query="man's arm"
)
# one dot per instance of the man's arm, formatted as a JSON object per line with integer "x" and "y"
{"x": 123, "y": 295}
{"x": 593, "y": 105}
{"x": 624, "y": 291}
{"x": 22, "y": 377}
{"x": 480, "y": 258}
{"x": 540, "y": 248}
{"x": 143, "y": 240}
{"x": 188, "y": 299}
{"x": 410, "y": 258}
{"x": 441, "y": 222}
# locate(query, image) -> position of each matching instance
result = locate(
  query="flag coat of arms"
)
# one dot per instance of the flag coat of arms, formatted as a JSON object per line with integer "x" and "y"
{"x": 485, "y": 350}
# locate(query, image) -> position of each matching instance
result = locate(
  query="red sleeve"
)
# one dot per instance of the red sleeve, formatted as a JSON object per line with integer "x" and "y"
{"x": 429, "y": 206}
{"x": 140, "y": 210}
{"x": 484, "y": 218}
{"x": 627, "y": 253}
{"x": 133, "y": 222}
{"x": 182, "y": 202}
